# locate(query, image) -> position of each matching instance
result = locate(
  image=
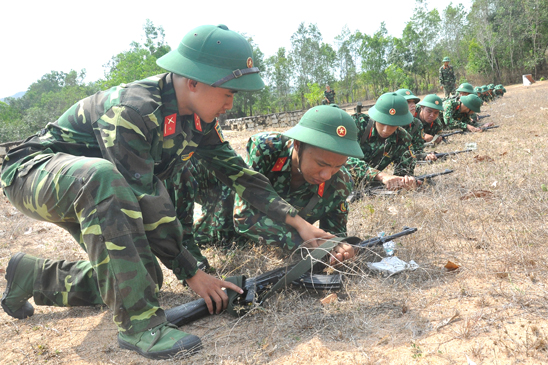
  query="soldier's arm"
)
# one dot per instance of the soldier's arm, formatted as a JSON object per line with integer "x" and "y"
{"x": 231, "y": 169}
{"x": 257, "y": 227}
{"x": 404, "y": 163}
{"x": 361, "y": 172}
{"x": 450, "y": 121}
{"x": 124, "y": 137}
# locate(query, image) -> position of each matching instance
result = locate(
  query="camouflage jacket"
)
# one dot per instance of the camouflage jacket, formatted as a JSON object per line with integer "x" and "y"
{"x": 269, "y": 153}
{"x": 431, "y": 128}
{"x": 137, "y": 127}
{"x": 379, "y": 153}
{"x": 447, "y": 76}
{"x": 416, "y": 131}
{"x": 453, "y": 117}
{"x": 330, "y": 95}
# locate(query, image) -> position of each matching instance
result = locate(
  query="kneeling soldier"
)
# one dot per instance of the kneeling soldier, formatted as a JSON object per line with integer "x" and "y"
{"x": 305, "y": 165}
{"x": 97, "y": 172}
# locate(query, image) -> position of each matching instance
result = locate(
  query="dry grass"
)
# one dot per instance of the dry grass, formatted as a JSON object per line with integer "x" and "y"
{"x": 492, "y": 309}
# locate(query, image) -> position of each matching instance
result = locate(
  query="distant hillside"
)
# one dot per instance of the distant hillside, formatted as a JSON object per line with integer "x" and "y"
{"x": 18, "y": 95}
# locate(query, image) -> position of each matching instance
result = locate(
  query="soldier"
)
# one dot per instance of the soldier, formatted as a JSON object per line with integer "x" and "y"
{"x": 457, "y": 113}
{"x": 305, "y": 166}
{"x": 447, "y": 77}
{"x": 415, "y": 128}
{"x": 485, "y": 94}
{"x": 499, "y": 91}
{"x": 328, "y": 96}
{"x": 465, "y": 89}
{"x": 97, "y": 172}
{"x": 490, "y": 92}
{"x": 428, "y": 111}
{"x": 383, "y": 141}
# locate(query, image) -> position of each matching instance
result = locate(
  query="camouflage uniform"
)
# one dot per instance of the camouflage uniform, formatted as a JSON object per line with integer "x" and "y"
{"x": 378, "y": 153}
{"x": 447, "y": 79}
{"x": 416, "y": 131}
{"x": 97, "y": 172}
{"x": 330, "y": 95}
{"x": 226, "y": 216}
{"x": 453, "y": 117}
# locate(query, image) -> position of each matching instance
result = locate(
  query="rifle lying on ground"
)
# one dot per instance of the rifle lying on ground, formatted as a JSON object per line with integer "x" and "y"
{"x": 444, "y": 155}
{"x": 377, "y": 189}
{"x": 259, "y": 288}
{"x": 444, "y": 136}
{"x": 480, "y": 117}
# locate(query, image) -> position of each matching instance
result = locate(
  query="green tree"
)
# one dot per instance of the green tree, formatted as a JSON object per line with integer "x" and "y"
{"x": 140, "y": 61}
{"x": 347, "y": 52}
{"x": 278, "y": 76}
{"x": 312, "y": 60}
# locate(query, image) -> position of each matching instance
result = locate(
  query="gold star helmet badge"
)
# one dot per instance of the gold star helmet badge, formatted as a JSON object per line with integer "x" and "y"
{"x": 392, "y": 111}
{"x": 437, "y": 102}
{"x": 341, "y": 131}
{"x": 249, "y": 62}
{"x": 407, "y": 92}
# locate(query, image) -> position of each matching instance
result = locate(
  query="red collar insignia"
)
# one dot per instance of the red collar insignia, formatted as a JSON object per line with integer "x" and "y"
{"x": 170, "y": 122}
{"x": 197, "y": 122}
{"x": 279, "y": 164}
{"x": 321, "y": 188}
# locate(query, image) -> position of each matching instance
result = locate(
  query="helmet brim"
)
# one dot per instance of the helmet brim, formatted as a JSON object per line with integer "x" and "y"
{"x": 180, "y": 65}
{"x": 331, "y": 143}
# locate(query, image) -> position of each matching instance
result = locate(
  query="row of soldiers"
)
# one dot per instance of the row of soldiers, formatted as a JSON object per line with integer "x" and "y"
{"x": 121, "y": 171}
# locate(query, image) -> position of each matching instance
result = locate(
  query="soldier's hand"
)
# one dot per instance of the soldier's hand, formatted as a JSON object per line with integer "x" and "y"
{"x": 311, "y": 235}
{"x": 431, "y": 157}
{"x": 211, "y": 289}
{"x": 409, "y": 182}
{"x": 342, "y": 252}
{"x": 471, "y": 128}
{"x": 392, "y": 182}
{"x": 438, "y": 140}
{"x": 428, "y": 137}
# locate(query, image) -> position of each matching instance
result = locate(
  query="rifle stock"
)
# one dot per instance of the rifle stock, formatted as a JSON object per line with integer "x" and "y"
{"x": 256, "y": 287}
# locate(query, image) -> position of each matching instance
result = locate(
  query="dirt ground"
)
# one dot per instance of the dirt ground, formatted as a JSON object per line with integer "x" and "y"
{"x": 488, "y": 217}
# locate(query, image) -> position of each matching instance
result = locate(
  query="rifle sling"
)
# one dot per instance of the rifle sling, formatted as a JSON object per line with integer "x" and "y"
{"x": 305, "y": 265}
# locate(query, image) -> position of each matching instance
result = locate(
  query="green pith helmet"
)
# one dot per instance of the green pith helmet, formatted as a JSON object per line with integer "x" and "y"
{"x": 484, "y": 88}
{"x": 446, "y": 59}
{"x": 432, "y": 101}
{"x": 466, "y": 87}
{"x": 477, "y": 89}
{"x": 216, "y": 56}
{"x": 391, "y": 109}
{"x": 472, "y": 102}
{"x": 330, "y": 128}
{"x": 408, "y": 95}
{"x": 491, "y": 86}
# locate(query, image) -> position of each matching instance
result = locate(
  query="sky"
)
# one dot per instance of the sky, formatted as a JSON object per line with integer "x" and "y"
{"x": 56, "y": 35}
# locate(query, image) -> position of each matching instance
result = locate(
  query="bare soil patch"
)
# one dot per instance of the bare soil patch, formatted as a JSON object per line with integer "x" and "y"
{"x": 489, "y": 218}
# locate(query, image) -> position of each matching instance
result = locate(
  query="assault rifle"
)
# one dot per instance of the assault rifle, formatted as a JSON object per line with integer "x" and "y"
{"x": 444, "y": 136}
{"x": 480, "y": 117}
{"x": 257, "y": 288}
{"x": 444, "y": 155}
{"x": 381, "y": 190}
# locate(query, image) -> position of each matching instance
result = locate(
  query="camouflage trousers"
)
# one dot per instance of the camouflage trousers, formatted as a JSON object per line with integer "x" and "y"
{"x": 196, "y": 184}
{"x": 449, "y": 89}
{"x": 89, "y": 198}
